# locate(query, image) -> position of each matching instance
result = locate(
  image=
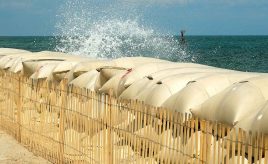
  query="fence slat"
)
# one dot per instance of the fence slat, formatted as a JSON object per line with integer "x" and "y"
{"x": 239, "y": 145}
{"x": 261, "y": 147}
{"x": 192, "y": 141}
{"x": 266, "y": 150}
{"x": 233, "y": 141}
{"x": 256, "y": 146}
{"x": 228, "y": 146}
{"x": 62, "y": 120}
{"x": 20, "y": 91}
{"x": 250, "y": 148}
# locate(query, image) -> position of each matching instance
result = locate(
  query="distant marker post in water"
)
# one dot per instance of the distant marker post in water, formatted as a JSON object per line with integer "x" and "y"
{"x": 182, "y": 39}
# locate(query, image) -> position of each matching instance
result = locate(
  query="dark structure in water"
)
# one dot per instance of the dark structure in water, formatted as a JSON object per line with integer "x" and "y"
{"x": 182, "y": 39}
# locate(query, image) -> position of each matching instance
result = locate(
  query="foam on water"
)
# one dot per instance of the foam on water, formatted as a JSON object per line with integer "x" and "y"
{"x": 110, "y": 30}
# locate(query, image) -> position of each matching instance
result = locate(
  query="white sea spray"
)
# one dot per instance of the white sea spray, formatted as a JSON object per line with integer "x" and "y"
{"x": 108, "y": 29}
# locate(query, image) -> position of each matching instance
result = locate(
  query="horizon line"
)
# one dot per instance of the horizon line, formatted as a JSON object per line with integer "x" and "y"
{"x": 159, "y": 35}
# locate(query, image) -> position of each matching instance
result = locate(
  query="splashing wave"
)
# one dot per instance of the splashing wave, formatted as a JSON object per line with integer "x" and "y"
{"x": 108, "y": 34}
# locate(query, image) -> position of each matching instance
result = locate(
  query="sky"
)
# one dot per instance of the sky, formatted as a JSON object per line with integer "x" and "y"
{"x": 197, "y": 17}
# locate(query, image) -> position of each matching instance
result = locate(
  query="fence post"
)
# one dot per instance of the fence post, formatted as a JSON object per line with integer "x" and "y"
{"x": 63, "y": 92}
{"x": 110, "y": 137}
{"x": 19, "y": 105}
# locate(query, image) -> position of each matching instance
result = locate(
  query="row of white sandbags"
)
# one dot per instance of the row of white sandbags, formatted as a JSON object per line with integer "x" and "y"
{"x": 28, "y": 62}
{"x": 53, "y": 65}
{"x": 214, "y": 94}
{"x": 211, "y": 93}
{"x": 125, "y": 79}
{"x": 208, "y": 92}
{"x": 57, "y": 65}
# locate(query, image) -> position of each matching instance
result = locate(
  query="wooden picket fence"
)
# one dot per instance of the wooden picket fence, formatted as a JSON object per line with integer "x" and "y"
{"x": 66, "y": 124}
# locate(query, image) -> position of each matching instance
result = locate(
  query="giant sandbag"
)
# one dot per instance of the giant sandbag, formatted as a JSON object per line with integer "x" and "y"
{"x": 126, "y": 62}
{"x": 109, "y": 71}
{"x": 84, "y": 67}
{"x": 113, "y": 74}
{"x": 236, "y": 102}
{"x": 11, "y": 64}
{"x": 32, "y": 63}
{"x": 31, "y": 66}
{"x": 70, "y": 62}
{"x": 15, "y": 63}
{"x": 201, "y": 89}
{"x": 44, "y": 72}
{"x": 17, "y": 66}
{"x": 64, "y": 67}
{"x": 106, "y": 74}
{"x": 113, "y": 85}
{"x": 61, "y": 70}
{"x": 7, "y": 60}
{"x": 146, "y": 82}
{"x": 120, "y": 65}
{"x": 69, "y": 76}
{"x": 158, "y": 93}
{"x": 256, "y": 121}
{"x": 67, "y": 67}
{"x": 141, "y": 71}
{"x": 163, "y": 91}
{"x": 86, "y": 80}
